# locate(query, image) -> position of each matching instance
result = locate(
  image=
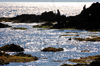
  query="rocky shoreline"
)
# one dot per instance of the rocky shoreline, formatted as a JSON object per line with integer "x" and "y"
{"x": 88, "y": 19}
{"x": 20, "y": 57}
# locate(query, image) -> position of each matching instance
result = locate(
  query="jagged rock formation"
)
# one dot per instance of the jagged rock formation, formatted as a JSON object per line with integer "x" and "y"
{"x": 88, "y": 19}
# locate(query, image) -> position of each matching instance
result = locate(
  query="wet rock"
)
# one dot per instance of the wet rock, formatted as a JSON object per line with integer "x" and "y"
{"x": 20, "y": 57}
{"x": 3, "y": 62}
{"x": 21, "y": 28}
{"x": 51, "y": 49}
{"x": 11, "y": 48}
{"x": 95, "y": 63}
{"x": 69, "y": 39}
{"x": 69, "y": 35}
{"x": 88, "y": 59}
{"x": 75, "y": 65}
{"x": 4, "y": 25}
{"x": 46, "y": 25}
{"x": 85, "y": 51}
{"x": 88, "y": 39}
{"x": 22, "y": 54}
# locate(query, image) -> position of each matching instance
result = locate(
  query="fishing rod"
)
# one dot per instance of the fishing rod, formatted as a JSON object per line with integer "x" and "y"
{"x": 48, "y": 4}
{"x": 53, "y": 3}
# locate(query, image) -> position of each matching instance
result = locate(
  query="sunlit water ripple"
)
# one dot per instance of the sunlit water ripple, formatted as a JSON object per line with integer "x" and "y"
{"x": 33, "y": 40}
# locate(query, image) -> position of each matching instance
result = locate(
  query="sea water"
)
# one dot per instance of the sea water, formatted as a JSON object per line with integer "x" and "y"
{"x": 11, "y": 9}
{"x": 33, "y": 40}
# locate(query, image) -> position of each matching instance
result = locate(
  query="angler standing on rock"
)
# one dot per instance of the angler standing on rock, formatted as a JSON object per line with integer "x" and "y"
{"x": 58, "y": 16}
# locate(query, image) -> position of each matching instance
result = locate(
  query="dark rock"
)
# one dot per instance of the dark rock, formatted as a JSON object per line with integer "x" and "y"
{"x": 48, "y": 16}
{"x": 22, "y": 54}
{"x": 88, "y": 39}
{"x": 69, "y": 39}
{"x": 95, "y": 63}
{"x": 88, "y": 19}
{"x": 4, "y": 25}
{"x": 75, "y": 65}
{"x": 3, "y": 62}
{"x": 51, "y": 49}
{"x": 85, "y": 51}
{"x": 11, "y": 48}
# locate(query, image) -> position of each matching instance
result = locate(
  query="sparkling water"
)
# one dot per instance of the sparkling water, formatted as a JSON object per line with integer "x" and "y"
{"x": 11, "y": 9}
{"x": 33, "y": 40}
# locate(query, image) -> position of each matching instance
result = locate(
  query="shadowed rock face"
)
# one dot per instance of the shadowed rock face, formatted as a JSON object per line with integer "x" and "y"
{"x": 11, "y": 48}
{"x": 88, "y": 19}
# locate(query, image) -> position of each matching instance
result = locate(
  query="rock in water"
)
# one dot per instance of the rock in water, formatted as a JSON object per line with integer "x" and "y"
{"x": 4, "y": 25}
{"x": 11, "y": 48}
{"x": 51, "y": 49}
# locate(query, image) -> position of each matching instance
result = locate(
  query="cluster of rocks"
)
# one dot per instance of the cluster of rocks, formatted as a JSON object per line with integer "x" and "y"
{"x": 88, "y": 19}
{"x": 20, "y": 57}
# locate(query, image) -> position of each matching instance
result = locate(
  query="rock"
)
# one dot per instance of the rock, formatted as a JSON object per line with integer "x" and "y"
{"x": 69, "y": 39}
{"x": 51, "y": 49}
{"x": 3, "y": 62}
{"x": 85, "y": 51}
{"x": 48, "y": 16}
{"x": 88, "y": 19}
{"x": 88, "y": 39}
{"x": 22, "y": 54}
{"x": 21, "y": 28}
{"x": 11, "y": 48}
{"x": 75, "y": 65}
{"x": 4, "y": 25}
{"x": 88, "y": 59}
{"x": 95, "y": 63}
{"x": 20, "y": 57}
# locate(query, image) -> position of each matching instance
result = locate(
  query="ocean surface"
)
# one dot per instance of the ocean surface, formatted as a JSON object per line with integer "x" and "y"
{"x": 33, "y": 40}
{"x": 11, "y": 9}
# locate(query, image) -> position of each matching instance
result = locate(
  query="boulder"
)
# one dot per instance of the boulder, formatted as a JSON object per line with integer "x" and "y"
{"x": 11, "y": 48}
{"x": 51, "y": 49}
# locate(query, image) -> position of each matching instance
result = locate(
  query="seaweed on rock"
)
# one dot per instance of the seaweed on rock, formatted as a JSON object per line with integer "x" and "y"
{"x": 11, "y": 48}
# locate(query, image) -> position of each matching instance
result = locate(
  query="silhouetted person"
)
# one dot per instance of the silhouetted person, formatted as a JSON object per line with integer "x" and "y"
{"x": 58, "y": 16}
{"x": 84, "y": 7}
{"x": 58, "y": 12}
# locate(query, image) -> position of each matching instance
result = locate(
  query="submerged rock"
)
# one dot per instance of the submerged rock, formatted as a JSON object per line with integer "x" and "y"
{"x": 21, "y": 28}
{"x": 51, "y": 49}
{"x": 85, "y": 51}
{"x": 88, "y": 39}
{"x": 11, "y": 48}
